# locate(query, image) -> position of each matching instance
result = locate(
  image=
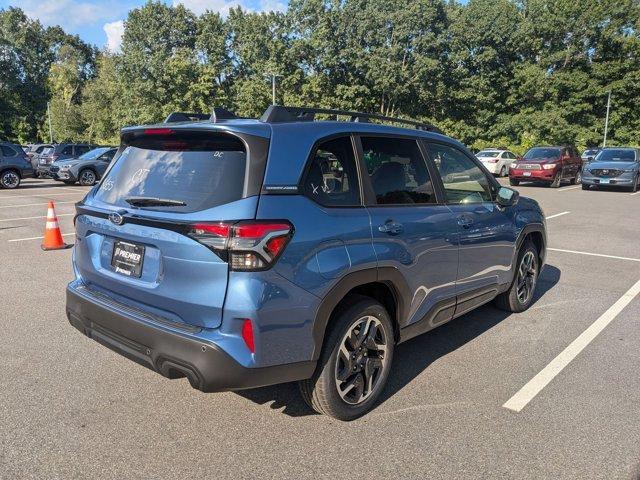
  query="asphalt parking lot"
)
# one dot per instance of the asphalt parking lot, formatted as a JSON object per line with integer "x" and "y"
{"x": 455, "y": 406}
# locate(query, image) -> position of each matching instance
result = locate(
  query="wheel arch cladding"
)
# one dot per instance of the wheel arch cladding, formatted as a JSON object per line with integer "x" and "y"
{"x": 385, "y": 285}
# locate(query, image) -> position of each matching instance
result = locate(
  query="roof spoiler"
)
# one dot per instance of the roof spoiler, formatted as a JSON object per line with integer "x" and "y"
{"x": 216, "y": 115}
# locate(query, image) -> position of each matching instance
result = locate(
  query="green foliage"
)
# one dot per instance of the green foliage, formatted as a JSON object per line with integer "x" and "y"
{"x": 511, "y": 73}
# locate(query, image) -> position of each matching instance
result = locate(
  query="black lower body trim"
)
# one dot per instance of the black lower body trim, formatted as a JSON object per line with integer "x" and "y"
{"x": 207, "y": 367}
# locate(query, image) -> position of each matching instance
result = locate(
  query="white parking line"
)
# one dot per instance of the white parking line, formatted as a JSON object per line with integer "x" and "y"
{"x": 548, "y": 373}
{"x": 34, "y": 204}
{"x": 33, "y": 218}
{"x": 594, "y": 254}
{"x": 556, "y": 215}
{"x": 35, "y": 238}
{"x": 569, "y": 188}
{"x": 40, "y": 195}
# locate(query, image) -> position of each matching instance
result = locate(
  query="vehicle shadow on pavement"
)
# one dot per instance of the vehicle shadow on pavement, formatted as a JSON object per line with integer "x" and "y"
{"x": 410, "y": 358}
{"x": 25, "y": 185}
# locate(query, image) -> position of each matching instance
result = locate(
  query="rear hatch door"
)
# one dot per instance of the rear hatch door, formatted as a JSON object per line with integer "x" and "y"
{"x": 132, "y": 229}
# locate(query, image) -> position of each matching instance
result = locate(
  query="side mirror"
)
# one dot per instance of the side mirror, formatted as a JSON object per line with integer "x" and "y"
{"x": 507, "y": 197}
{"x": 589, "y": 159}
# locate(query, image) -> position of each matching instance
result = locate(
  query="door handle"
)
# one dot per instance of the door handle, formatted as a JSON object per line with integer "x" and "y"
{"x": 391, "y": 227}
{"x": 464, "y": 221}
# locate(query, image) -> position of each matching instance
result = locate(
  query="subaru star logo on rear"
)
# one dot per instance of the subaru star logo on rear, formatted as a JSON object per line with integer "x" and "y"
{"x": 116, "y": 218}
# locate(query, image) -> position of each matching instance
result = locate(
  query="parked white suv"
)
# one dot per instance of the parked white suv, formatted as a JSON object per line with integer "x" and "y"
{"x": 497, "y": 161}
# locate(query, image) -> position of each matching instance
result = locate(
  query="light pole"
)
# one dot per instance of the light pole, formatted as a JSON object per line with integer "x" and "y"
{"x": 606, "y": 121}
{"x": 50, "y": 129}
{"x": 273, "y": 77}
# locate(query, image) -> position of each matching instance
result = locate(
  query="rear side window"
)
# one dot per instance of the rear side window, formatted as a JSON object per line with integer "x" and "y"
{"x": 7, "y": 151}
{"x": 82, "y": 149}
{"x": 68, "y": 150}
{"x": 397, "y": 171}
{"x": 200, "y": 170}
{"x": 463, "y": 180}
{"x": 331, "y": 178}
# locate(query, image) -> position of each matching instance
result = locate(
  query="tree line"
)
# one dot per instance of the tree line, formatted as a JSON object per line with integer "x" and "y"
{"x": 488, "y": 72}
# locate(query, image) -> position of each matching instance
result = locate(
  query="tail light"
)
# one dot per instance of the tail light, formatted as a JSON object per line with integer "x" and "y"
{"x": 247, "y": 245}
{"x": 493, "y": 160}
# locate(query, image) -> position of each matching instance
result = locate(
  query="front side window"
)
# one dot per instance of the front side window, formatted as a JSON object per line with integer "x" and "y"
{"x": 397, "y": 170}
{"x": 68, "y": 150}
{"x": 463, "y": 180}
{"x": 108, "y": 156}
{"x": 331, "y": 178}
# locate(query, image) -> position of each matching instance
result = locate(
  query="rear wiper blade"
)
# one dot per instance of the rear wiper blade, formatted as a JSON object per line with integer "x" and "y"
{"x": 153, "y": 202}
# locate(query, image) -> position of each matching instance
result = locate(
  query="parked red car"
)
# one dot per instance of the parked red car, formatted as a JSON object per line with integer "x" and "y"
{"x": 549, "y": 165}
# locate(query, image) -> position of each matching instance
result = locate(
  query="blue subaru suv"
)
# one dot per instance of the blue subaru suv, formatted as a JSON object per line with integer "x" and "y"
{"x": 242, "y": 253}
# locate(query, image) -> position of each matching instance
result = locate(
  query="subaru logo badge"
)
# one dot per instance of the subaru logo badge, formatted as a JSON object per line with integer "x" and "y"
{"x": 116, "y": 218}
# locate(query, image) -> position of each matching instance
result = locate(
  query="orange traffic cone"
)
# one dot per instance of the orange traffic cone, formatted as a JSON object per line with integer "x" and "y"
{"x": 52, "y": 236}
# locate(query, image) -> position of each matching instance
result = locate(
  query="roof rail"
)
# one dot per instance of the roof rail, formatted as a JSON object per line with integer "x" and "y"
{"x": 281, "y": 114}
{"x": 216, "y": 115}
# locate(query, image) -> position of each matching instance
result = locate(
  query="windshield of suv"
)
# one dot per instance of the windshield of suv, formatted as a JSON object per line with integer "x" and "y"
{"x": 539, "y": 153}
{"x": 95, "y": 153}
{"x": 488, "y": 153}
{"x": 189, "y": 173}
{"x": 616, "y": 155}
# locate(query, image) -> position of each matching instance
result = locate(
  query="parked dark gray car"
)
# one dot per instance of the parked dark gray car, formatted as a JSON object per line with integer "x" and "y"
{"x": 87, "y": 169}
{"x": 35, "y": 151}
{"x": 613, "y": 167}
{"x": 14, "y": 165}
{"x": 61, "y": 151}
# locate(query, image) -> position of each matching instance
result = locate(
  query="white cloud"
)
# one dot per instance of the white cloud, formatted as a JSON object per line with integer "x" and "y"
{"x": 272, "y": 6}
{"x": 114, "y": 31}
{"x": 223, "y": 6}
{"x": 67, "y": 13}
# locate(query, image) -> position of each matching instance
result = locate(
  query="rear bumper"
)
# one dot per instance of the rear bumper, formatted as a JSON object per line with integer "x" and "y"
{"x": 492, "y": 167}
{"x": 166, "y": 350}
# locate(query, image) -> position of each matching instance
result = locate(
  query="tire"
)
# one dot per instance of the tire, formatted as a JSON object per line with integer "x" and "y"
{"x": 321, "y": 391}
{"x": 69, "y": 182}
{"x": 634, "y": 188}
{"x": 503, "y": 172}
{"x": 577, "y": 179}
{"x": 585, "y": 187}
{"x": 513, "y": 182}
{"x": 514, "y": 300}
{"x": 9, "y": 179}
{"x": 556, "y": 181}
{"x": 87, "y": 177}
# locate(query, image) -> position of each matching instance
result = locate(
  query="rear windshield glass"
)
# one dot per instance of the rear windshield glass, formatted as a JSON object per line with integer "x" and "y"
{"x": 616, "y": 155}
{"x": 542, "y": 153}
{"x": 194, "y": 172}
{"x": 488, "y": 153}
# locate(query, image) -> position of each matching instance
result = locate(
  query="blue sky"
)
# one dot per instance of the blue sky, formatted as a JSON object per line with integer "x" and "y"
{"x": 100, "y": 22}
